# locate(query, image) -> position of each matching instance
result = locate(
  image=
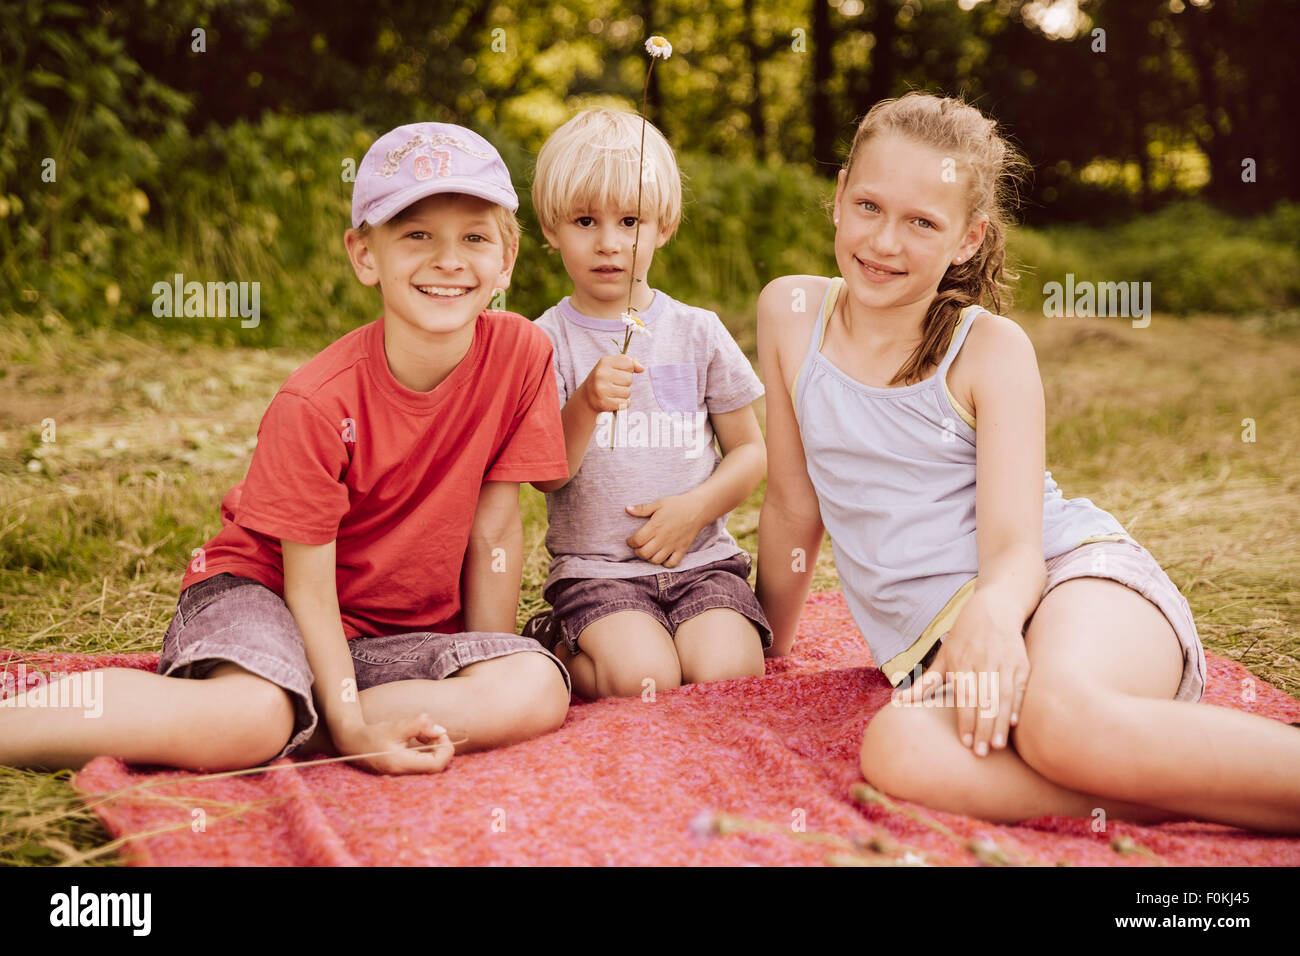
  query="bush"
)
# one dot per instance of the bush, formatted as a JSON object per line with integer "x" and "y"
{"x": 1196, "y": 259}
{"x": 79, "y": 133}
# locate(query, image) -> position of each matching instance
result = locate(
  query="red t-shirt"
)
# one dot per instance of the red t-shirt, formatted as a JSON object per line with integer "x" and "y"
{"x": 346, "y": 453}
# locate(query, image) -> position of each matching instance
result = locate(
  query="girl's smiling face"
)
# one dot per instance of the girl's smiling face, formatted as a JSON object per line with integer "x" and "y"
{"x": 901, "y": 216}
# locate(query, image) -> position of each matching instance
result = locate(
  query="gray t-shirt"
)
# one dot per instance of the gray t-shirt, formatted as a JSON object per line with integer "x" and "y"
{"x": 663, "y": 441}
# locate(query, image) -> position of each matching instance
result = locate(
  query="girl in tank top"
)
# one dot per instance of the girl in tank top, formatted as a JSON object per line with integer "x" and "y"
{"x": 1043, "y": 661}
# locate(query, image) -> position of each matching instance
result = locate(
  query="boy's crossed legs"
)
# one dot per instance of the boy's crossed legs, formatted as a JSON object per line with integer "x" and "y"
{"x": 255, "y": 702}
{"x": 493, "y": 703}
{"x": 233, "y": 719}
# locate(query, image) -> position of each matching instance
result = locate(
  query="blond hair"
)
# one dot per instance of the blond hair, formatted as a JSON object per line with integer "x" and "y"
{"x": 592, "y": 161}
{"x": 994, "y": 168}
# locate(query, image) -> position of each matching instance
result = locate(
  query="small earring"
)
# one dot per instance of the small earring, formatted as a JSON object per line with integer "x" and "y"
{"x": 836, "y": 220}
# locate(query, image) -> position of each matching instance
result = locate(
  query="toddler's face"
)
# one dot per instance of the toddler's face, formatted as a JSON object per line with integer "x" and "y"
{"x": 437, "y": 262}
{"x": 902, "y": 221}
{"x": 596, "y": 246}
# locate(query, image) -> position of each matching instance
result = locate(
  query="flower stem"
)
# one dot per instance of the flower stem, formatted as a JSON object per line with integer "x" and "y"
{"x": 636, "y": 236}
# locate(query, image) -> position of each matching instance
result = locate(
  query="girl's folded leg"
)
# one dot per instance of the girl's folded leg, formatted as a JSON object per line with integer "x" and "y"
{"x": 913, "y": 752}
{"x": 1098, "y": 715}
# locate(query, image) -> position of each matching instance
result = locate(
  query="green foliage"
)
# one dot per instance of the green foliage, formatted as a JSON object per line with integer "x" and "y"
{"x": 745, "y": 224}
{"x": 1196, "y": 259}
{"x": 145, "y": 189}
{"x": 80, "y": 130}
{"x": 264, "y": 202}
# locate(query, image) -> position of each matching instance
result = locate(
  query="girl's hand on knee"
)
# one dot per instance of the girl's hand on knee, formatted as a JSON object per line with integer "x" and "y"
{"x": 388, "y": 746}
{"x": 983, "y": 657}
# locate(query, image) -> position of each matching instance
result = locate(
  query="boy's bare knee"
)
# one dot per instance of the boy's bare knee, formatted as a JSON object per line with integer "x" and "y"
{"x": 258, "y": 724}
{"x": 724, "y": 669}
{"x": 640, "y": 678}
{"x": 731, "y": 663}
{"x": 538, "y": 688}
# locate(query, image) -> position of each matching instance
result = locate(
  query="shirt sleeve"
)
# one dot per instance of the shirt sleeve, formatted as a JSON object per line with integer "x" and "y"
{"x": 295, "y": 488}
{"x": 561, "y": 384}
{"x": 534, "y": 448}
{"x": 730, "y": 381}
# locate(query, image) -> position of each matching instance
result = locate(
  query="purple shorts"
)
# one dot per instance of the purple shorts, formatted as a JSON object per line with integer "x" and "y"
{"x": 669, "y": 596}
{"x": 229, "y": 618}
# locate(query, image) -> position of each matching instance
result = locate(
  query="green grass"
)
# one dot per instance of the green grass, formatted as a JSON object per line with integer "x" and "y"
{"x": 96, "y": 526}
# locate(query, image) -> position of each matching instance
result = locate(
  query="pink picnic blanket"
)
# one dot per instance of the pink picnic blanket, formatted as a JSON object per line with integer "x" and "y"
{"x": 756, "y": 771}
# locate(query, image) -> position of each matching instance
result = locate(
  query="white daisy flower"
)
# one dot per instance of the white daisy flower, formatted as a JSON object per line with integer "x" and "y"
{"x": 657, "y": 46}
{"x": 633, "y": 323}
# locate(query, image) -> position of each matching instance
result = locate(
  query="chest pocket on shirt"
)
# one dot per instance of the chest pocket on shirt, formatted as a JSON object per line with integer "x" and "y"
{"x": 675, "y": 387}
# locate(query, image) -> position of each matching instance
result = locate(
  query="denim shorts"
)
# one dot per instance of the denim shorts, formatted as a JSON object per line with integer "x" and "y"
{"x": 670, "y": 597}
{"x": 229, "y": 618}
{"x": 1134, "y": 566}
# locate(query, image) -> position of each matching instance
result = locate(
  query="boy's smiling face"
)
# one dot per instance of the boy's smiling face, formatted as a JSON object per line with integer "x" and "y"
{"x": 596, "y": 246}
{"x": 437, "y": 262}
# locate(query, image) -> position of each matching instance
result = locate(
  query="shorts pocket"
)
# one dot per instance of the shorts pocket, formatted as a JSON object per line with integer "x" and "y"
{"x": 395, "y": 649}
{"x": 747, "y": 561}
{"x": 675, "y": 387}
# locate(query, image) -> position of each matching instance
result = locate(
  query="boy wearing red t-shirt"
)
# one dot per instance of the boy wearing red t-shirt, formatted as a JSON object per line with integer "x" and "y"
{"x": 368, "y": 567}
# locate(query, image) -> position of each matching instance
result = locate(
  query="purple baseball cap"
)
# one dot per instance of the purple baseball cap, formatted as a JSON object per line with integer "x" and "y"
{"x": 421, "y": 159}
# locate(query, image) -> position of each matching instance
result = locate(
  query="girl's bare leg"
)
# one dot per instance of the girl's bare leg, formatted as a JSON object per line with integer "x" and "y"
{"x": 1098, "y": 716}
{"x": 913, "y": 752}
{"x": 1099, "y": 729}
{"x": 227, "y": 721}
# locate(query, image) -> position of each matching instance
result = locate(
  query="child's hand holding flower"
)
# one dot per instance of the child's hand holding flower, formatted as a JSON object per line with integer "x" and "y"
{"x": 609, "y": 385}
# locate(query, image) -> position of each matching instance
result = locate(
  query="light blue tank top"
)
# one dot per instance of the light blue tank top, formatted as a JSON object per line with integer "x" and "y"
{"x": 894, "y": 472}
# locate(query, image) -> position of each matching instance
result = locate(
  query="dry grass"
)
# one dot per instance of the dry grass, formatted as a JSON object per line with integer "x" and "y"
{"x": 96, "y": 526}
